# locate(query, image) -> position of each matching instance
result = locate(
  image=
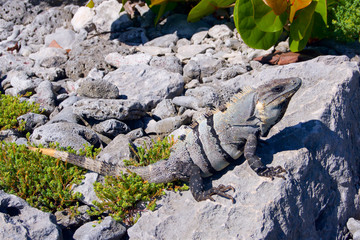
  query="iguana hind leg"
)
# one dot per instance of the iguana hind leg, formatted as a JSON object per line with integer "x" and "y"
{"x": 255, "y": 162}
{"x": 197, "y": 187}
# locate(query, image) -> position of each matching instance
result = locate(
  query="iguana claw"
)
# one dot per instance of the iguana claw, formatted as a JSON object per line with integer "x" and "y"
{"x": 220, "y": 190}
{"x": 272, "y": 172}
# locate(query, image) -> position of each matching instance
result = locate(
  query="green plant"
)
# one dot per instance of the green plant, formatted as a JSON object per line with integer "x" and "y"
{"x": 11, "y": 108}
{"x": 345, "y": 20}
{"x": 44, "y": 182}
{"x": 120, "y": 195}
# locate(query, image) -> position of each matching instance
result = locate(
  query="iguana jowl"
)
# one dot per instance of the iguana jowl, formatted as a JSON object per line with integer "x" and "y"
{"x": 214, "y": 142}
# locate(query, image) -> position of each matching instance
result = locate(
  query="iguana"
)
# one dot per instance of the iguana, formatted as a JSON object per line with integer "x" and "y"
{"x": 216, "y": 141}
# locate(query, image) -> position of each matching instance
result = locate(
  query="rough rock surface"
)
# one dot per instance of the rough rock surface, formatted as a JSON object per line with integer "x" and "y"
{"x": 20, "y": 221}
{"x": 126, "y": 86}
{"x": 315, "y": 142}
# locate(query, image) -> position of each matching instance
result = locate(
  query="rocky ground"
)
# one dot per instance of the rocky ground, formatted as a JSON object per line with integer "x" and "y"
{"x": 141, "y": 80}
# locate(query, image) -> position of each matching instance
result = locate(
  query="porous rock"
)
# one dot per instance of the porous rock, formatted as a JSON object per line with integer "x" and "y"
{"x": 146, "y": 84}
{"x": 116, "y": 151}
{"x": 78, "y": 64}
{"x": 315, "y": 142}
{"x": 103, "y": 109}
{"x": 20, "y": 221}
{"x": 66, "y": 134}
{"x": 32, "y": 120}
{"x": 105, "y": 229}
{"x": 169, "y": 63}
{"x": 111, "y": 128}
{"x": 97, "y": 88}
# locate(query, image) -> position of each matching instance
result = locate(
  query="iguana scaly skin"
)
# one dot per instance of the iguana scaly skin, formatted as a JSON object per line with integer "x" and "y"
{"x": 215, "y": 141}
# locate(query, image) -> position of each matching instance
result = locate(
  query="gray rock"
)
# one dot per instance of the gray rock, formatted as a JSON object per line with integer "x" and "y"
{"x": 106, "y": 13}
{"x": 187, "y": 102}
{"x": 106, "y": 229}
{"x": 198, "y": 37}
{"x": 86, "y": 188}
{"x": 89, "y": 54}
{"x": 32, "y": 120}
{"x": 9, "y": 135}
{"x": 182, "y": 42}
{"x": 166, "y": 41}
{"x": 154, "y": 51}
{"x": 66, "y": 219}
{"x": 316, "y": 142}
{"x": 64, "y": 37}
{"x": 20, "y": 221}
{"x": 220, "y": 32}
{"x": 191, "y": 71}
{"x": 146, "y": 84}
{"x": 97, "y": 89}
{"x": 96, "y": 74}
{"x": 169, "y": 63}
{"x": 44, "y": 23}
{"x": 65, "y": 115}
{"x": 66, "y": 134}
{"x": 5, "y": 28}
{"x": 164, "y": 109}
{"x": 115, "y": 59}
{"x": 50, "y": 57}
{"x": 232, "y": 72}
{"x": 10, "y": 62}
{"x": 167, "y": 125}
{"x": 208, "y": 64}
{"x": 103, "y": 109}
{"x": 111, "y": 128}
{"x": 178, "y": 23}
{"x": 116, "y": 151}
{"x": 69, "y": 101}
{"x": 354, "y": 227}
{"x": 13, "y": 11}
{"x": 206, "y": 96}
{"x": 136, "y": 133}
{"x": 189, "y": 51}
{"x": 45, "y": 96}
{"x": 21, "y": 82}
{"x": 233, "y": 43}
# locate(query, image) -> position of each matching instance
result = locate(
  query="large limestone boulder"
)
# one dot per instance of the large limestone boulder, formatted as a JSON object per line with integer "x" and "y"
{"x": 316, "y": 142}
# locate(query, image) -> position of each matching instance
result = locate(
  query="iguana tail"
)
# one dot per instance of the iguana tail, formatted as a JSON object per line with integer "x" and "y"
{"x": 153, "y": 173}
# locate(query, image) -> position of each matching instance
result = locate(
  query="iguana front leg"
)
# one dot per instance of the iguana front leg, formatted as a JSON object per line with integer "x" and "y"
{"x": 255, "y": 162}
{"x": 197, "y": 187}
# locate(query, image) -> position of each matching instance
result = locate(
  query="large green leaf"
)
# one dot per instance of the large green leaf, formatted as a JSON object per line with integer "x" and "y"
{"x": 296, "y": 5}
{"x": 321, "y": 8}
{"x": 298, "y": 45}
{"x": 246, "y": 26}
{"x": 278, "y": 6}
{"x": 207, "y": 7}
{"x": 265, "y": 18}
{"x": 301, "y": 23}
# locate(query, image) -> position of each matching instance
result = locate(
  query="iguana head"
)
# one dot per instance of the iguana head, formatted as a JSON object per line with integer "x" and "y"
{"x": 272, "y": 101}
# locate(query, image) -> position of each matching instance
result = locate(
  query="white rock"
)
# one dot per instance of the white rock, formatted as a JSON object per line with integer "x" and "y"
{"x": 117, "y": 60}
{"x": 82, "y": 17}
{"x": 64, "y": 37}
{"x": 106, "y": 13}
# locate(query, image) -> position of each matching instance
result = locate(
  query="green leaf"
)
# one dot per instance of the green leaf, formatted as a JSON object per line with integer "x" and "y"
{"x": 207, "y": 7}
{"x": 298, "y": 45}
{"x": 90, "y": 4}
{"x": 301, "y": 23}
{"x": 321, "y": 8}
{"x": 246, "y": 26}
{"x": 265, "y": 18}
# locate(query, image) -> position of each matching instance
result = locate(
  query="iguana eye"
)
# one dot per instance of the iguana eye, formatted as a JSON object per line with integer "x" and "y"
{"x": 277, "y": 89}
